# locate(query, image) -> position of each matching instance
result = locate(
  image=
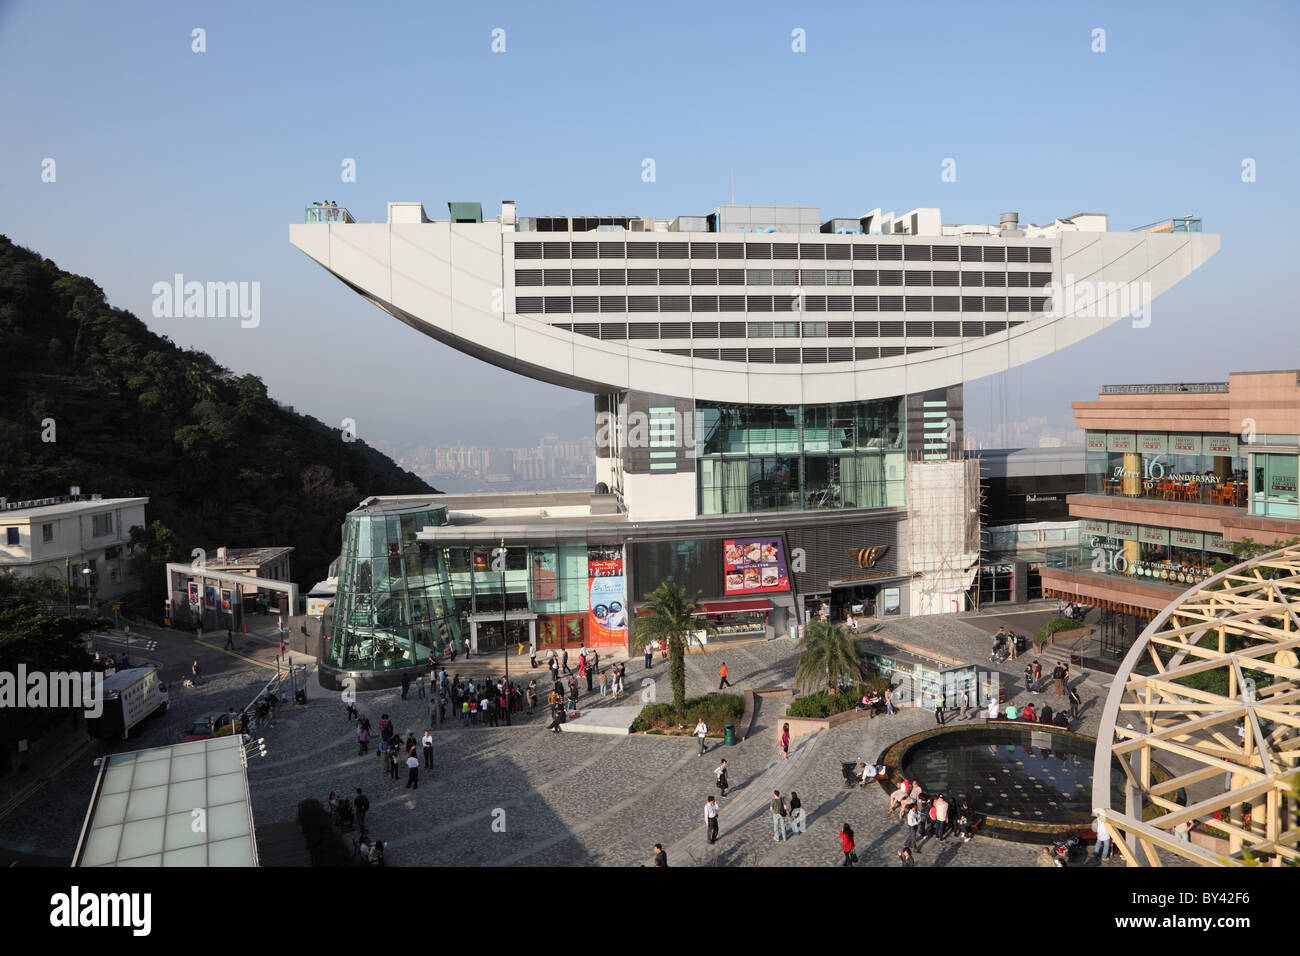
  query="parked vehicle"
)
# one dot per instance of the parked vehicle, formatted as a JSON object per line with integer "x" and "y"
{"x": 129, "y": 697}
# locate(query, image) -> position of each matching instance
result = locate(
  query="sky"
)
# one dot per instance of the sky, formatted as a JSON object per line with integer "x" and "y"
{"x": 169, "y": 160}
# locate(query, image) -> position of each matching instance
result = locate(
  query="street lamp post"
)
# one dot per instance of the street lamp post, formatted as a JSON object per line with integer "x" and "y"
{"x": 86, "y": 577}
{"x": 505, "y": 628}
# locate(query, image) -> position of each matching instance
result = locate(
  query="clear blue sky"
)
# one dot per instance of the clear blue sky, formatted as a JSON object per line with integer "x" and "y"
{"x": 171, "y": 161}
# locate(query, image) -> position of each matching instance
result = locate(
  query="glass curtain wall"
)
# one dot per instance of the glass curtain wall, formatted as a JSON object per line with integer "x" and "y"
{"x": 395, "y": 602}
{"x": 795, "y": 458}
{"x": 1195, "y": 468}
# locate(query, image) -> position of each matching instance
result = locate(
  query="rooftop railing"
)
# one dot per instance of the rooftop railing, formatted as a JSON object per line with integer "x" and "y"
{"x": 1185, "y": 224}
{"x": 319, "y": 212}
{"x": 1213, "y": 388}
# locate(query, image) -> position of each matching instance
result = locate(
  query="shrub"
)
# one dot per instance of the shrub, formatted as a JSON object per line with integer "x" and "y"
{"x": 825, "y": 704}
{"x": 1054, "y": 625}
{"x": 716, "y": 709}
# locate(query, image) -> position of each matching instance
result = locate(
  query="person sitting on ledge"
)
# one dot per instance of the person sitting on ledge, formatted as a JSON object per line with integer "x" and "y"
{"x": 1028, "y": 713}
{"x": 1046, "y": 716}
{"x": 1011, "y": 711}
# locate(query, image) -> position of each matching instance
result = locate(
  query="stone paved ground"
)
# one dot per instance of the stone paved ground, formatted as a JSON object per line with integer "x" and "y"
{"x": 524, "y": 796}
{"x": 521, "y": 795}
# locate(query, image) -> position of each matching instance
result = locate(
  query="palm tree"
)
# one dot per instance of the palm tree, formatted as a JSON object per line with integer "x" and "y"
{"x": 827, "y": 656}
{"x": 671, "y": 619}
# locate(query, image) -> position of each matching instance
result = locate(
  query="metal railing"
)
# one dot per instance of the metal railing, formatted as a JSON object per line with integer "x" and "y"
{"x": 1176, "y": 224}
{"x": 1216, "y": 388}
{"x": 319, "y": 212}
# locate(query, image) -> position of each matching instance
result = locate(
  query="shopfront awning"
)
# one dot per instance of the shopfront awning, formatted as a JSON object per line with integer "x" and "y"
{"x": 734, "y": 607}
{"x": 723, "y": 607}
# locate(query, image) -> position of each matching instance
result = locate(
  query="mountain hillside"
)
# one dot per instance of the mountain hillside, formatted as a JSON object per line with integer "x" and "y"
{"x": 135, "y": 414}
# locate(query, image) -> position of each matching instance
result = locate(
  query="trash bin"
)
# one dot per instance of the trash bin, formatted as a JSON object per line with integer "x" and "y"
{"x": 729, "y": 734}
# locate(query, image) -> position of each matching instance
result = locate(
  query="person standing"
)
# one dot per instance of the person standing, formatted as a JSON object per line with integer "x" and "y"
{"x": 406, "y": 684}
{"x": 923, "y": 805}
{"x": 590, "y": 666}
{"x": 1029, "y": 677}
{"x": 352, "y": 707}
{"x": 889, "y": 701}
{"x": 622, "y": 676}
{"x": 565, "y": 662}
{"x": 711, "y": 818}
{"x": 557, "y": 716}
{"x": 582, "y": 666}
{"x": 1102, "y": 850}
{"x": 413, "y": 772}
{"x": 721, "y": 773}
{"x": 785, "y": 742}
{"x": 419, "y": 687}
{"x": 394, "y": 758}
{"x": 362, "y": 805}
{"x": 939, "y": 708}
{"x": 603, "y": 683}
{"x": 532, "y": 693}
{"x": 363, "y": 741}
{"x": 701, "y": 730}
{"x": 661, "y": 858}
{"x": 847, "y": 845}
{"x": 965, "y": 704}
{"x": 649, "y": 654}
{"x": 905, "y": 856}
{"x": 940, "y": 816}
{"x": 914, "y": 825}
{"x": 722, "y": 673}
{"x": 427, "y": 741}
{"x": 1038, "y": 677}
{"x": 1074, "y": 702}
{"x": 778, "y": 811}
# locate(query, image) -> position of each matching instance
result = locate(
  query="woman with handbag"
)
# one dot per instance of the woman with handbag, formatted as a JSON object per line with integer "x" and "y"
{"x": 785, "y": 742}
{"x": 846, "y": 844}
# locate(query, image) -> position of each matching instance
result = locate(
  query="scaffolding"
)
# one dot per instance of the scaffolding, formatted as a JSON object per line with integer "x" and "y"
{"x": 945, "y": 508}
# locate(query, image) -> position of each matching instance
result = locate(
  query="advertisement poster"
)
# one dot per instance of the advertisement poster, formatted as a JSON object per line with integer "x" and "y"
{"x": 607, "y": 615}
{"x": 753, "y": 566}
{"x": 209, "y": 596}
{"x": 227, "y": 599}
{"x": 891, "y": 601}
{"x": 194, "y": 594}
{"x": 548, "y": 631}
{"x": 480, "y": 560}
{"x": 543, "y": 565}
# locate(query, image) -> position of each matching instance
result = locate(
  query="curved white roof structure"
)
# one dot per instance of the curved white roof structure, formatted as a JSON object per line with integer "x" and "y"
{"x": 794, "y": 313}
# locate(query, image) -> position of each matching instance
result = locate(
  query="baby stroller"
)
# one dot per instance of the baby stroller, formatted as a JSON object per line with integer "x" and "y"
{"x": 1066, "y": 851}
{"x": 1000, "y": 650}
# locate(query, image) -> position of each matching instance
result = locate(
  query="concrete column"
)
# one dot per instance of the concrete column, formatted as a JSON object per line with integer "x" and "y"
{"x": 532, "y": 635}
{"x": 473, "y": 637}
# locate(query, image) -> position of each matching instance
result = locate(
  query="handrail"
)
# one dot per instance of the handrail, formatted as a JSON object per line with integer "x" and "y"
{"x": 1218, "y": 388}
{"x": 1175, "y": 224}
{"x": 319, "y": 212}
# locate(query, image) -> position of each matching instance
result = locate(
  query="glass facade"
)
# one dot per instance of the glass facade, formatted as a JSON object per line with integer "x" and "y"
{"x": 1159, "y": 555}
{"x": 1274, "y": 491}
{"x": 1190, "y": 467}
{"x": 399, "y": 598}
{"x": 795, "y": 458}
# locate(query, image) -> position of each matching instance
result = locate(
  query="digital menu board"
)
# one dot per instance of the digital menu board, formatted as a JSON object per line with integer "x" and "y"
{"x": 753, "y": 566}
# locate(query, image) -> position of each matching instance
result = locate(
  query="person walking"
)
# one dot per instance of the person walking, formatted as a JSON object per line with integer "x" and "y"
{"x": 565, "y": 661}
{"x": 427, "y": 741}
{"x": 721, "y": 773}
{"x": 847, "y": 845}
{"x": 406, "y": 684}
{"x": 795, "y": 806}
{"x": 557, "y": 717}
{"x": 649, "y": 655}
{"x": 363, "y": 741}
{"x": 413, "y": 772}
{"x": 230, "y": 640}
{"x": 590, "y": 666}
{"x": 722, "y": 673}
{"x": 711, "y": 818}
{"x": 785, "y": 742}
{"x": 362, "y": 806}
{"x": 965, "y": 704}
{"x": 778, "y": 810}
{"x": 701, "y": 730}
{"x": 419, "y": 687}
{"x": 382, "y": 750}
{"x": 1074, "y": 702}
{"x": 939, "y": 708}
{"x": 1029, "y": 678}
{"x": 394, "y": 760}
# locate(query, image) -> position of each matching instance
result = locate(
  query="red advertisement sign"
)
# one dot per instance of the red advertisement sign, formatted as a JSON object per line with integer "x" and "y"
{"x": 754, "y": 566}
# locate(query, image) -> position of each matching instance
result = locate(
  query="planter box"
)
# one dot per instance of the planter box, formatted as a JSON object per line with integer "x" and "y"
{"x": 1212, "y": 843}
{"x": 1073, "y": 634}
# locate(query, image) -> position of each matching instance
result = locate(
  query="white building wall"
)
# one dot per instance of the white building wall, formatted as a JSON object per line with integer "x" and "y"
{"x": 943, "y": 533}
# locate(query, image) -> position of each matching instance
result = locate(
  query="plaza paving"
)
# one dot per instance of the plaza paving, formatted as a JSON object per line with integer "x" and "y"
{"x": 523, "y": 796}
{"x": 520, "y": 795}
